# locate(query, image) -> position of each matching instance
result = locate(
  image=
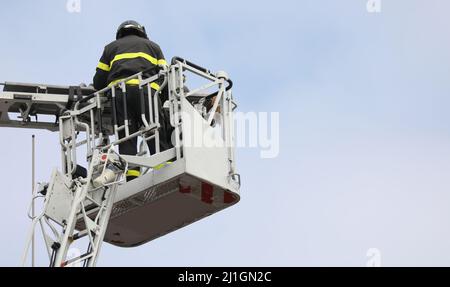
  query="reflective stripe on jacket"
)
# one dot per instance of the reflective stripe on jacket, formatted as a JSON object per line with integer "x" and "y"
{"x": 125, "y": 57}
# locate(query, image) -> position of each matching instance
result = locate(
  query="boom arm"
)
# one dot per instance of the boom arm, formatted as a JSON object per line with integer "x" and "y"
{"x": 34, "y": 104}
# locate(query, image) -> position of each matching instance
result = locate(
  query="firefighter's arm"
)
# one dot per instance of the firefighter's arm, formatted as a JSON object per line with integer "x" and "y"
{"x": 102, "y": 71}
{"x": 161, "y": 59}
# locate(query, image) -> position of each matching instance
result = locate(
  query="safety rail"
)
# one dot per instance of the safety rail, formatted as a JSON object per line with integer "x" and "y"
{"x": 88, "y": 113}
{"x": 222, "y": 100}
{"x": 87, "y": 116}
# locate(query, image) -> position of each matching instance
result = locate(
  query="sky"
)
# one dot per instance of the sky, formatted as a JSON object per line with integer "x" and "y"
{"x": 364, "y": 128}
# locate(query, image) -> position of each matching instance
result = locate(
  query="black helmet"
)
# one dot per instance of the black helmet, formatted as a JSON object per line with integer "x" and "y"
{"x": 130, "y": 25}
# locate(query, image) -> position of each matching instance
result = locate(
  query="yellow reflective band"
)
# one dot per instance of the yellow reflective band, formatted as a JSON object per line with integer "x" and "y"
{"x": 103, "y": 67}
{"x": 129, "y": 82}
{"x": 162, "y": 62}
{"x": 159, "y": 166}
{"x": 123, "y": 56}
{"x": 134, "y": 82}
{"x": 155, "y": 86}
{"x": 132, "y": 172}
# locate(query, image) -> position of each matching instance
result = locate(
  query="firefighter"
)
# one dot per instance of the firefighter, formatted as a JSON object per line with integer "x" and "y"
{"x": 132, "y": 52}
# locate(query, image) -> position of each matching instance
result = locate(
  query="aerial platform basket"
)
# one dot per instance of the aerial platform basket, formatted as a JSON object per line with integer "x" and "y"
{"x": 176, "y": 194}
{"x": 141, "y": 214}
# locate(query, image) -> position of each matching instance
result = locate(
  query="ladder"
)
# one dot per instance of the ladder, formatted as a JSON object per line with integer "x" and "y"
{"x": 80, "y": 208}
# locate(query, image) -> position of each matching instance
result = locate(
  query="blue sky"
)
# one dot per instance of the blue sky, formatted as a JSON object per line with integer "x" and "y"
{"x": 364, "y": 125}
